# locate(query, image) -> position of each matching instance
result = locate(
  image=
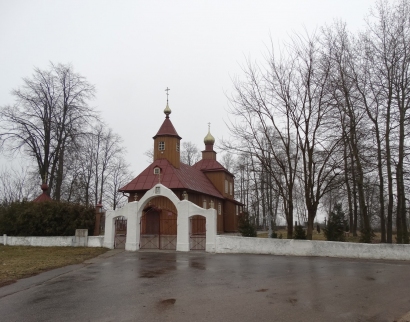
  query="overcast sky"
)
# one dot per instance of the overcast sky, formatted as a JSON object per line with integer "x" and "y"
{"x": 132, "y": 50}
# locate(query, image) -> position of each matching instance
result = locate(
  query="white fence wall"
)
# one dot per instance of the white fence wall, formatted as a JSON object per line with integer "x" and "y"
{"x": 95, "y": 241}
{"x": 249, "y": 245}
{"x": 92, "y": 241}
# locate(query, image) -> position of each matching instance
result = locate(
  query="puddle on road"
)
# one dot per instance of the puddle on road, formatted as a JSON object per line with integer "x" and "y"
{"x": 197, "y": 265}
{"x": 155, "y": 272}
{"x": 292, "y": 301}
{"x": 40, "y": 299}
{"x": 168, "y": 302}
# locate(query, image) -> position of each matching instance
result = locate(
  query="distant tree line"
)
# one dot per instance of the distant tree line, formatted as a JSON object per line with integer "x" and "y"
{"x": 325, "y": 120}
{"x": 67, "y": 144}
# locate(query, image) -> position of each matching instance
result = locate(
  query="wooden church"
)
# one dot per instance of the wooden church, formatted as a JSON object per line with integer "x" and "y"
{"x": 207, "y": 184}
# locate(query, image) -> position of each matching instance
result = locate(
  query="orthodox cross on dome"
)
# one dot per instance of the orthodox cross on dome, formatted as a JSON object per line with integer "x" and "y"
{"x": 209, "y": 126}
{"x": 167, "y": 90}
{"x": 167, "y": 110}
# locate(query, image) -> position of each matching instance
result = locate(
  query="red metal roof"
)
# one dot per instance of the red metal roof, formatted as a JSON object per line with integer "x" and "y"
{"x": 167, "y": 129}
{"x": 209, "y": 165}
{"x": 186, "y": 177}
{"x": 44, "y": 196}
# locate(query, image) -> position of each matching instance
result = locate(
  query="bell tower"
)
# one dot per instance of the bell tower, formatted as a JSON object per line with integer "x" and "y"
{"x": 167, "y": 141}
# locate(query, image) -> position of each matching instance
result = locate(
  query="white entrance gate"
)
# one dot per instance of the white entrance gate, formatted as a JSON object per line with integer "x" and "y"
{"x": 185, "y": 209}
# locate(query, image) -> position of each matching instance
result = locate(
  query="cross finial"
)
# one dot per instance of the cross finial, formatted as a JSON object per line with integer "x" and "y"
{"x": 209, "y": 126}
{"x": 167, "y": 90}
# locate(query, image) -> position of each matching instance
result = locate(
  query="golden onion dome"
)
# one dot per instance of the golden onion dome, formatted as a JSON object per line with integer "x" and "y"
{"x": 167, "y": 110}
{"x": 209, "y": 139}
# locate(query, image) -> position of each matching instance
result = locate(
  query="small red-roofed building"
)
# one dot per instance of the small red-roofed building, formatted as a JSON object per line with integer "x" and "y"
{"x": 44, "y": 196}
{"x": 207, "y": 184}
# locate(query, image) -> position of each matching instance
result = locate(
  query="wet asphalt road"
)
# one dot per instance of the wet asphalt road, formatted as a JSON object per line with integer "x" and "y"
{"x": 170, "y": 286}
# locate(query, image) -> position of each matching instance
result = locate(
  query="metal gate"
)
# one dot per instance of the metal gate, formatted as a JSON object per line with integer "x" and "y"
{"x": 120, "y": 232}
{"x": 158, "y": 230}
{"x": 197, "y": 233}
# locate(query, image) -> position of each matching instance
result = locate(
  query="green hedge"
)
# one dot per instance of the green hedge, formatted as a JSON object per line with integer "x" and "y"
{"x": 49, "y": 218}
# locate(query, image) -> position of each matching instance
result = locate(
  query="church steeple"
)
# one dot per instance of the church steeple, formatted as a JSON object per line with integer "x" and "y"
{"x": 167, "y": 140}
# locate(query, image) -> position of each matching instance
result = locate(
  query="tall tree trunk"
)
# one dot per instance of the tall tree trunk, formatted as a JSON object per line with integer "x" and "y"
{"x": 347, "y": 184}
{"x": 381, "y": 185}
{"x": 401, "y": 224}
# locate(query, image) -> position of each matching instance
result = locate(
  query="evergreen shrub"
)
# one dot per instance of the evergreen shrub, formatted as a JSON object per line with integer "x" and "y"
{"x": 49, "y": 218}
{"x": 336, "y": 225}
{"x": 245, "y": 226}
{"x": 299, "y": 233}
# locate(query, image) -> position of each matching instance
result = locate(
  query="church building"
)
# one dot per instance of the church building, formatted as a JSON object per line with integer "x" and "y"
{"x": 207, "y": 184}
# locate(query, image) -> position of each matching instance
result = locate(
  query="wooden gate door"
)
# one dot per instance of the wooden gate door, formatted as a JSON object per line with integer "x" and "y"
{"x": 158, "y": 230}
{"x": 120, "y": 232}
{"x": 197, "y": 234}
{"x": 168, "y": 230}
{"x": 149, "y": 238}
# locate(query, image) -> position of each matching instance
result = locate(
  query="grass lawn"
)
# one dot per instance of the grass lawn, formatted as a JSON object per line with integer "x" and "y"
{"x": 23, "y": 261}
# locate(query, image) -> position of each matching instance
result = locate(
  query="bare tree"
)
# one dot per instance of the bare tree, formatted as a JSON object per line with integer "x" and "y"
{"x": 50, "y": 111}
{"x": 189, "y": 153}
{"x": 150, "y": 155}
{"x": 263, "y": 127}
{"x": 17, "y": 184}
{"x": 118, "y": 175}
{"x": 312, "y": 110}
{"x": 228, "y": 161}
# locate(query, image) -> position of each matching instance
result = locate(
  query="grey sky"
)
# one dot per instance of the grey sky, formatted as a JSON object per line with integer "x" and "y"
{"x": 132, "y": 50}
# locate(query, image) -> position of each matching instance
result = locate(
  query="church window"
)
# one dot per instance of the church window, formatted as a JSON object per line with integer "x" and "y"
{"x": 157, "y": 170}
{"x": 212, "y": 204}
{"x": 236, "y": 208}
{"x": 219, "y": 208}
{"x": 178, "y": 147}
{"x": 204, "y": 204}
{"x": 161, "y": 146}
{"x": 230, "y": 188}
{"x": 226, "y": 186}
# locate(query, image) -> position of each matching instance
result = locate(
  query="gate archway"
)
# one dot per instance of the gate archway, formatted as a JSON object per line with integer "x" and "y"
{"x": 158, "y": 229}
{"x": 175, "y": 226}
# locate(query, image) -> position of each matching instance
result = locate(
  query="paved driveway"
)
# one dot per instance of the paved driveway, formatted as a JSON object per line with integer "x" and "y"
{"x": 170, "y": 286}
